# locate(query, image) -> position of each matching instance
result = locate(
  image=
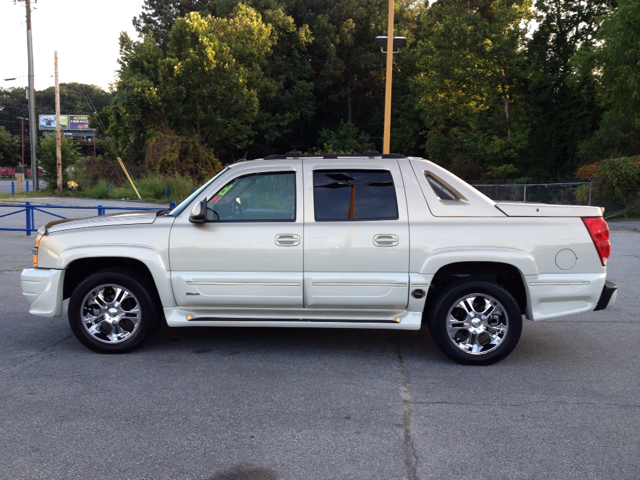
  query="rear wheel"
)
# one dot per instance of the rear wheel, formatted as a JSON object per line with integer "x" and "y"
{"x": 114, "y": 311}
{"x": 475, "y": 322}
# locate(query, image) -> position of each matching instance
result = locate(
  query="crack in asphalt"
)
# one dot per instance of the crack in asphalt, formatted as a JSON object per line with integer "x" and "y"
{"x": 35, "y": 356}
{"x": 525, "y": 404}
{"x": 410, "y": 456}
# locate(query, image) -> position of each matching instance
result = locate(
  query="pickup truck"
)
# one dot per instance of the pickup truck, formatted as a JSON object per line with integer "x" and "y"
{"x": 332, "y": 241}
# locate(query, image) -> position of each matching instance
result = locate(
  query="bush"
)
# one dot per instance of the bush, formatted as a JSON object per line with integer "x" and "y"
{"x": 616, "y": 182}
{"x": 153, "y": 187}
{"x": 89, "y": 171}
{"x": 175, "y": 156}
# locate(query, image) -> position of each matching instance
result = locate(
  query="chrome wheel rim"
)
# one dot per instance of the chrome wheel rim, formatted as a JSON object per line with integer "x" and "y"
{"x": 477, "y": 324}
{"x": 110, "y": 313}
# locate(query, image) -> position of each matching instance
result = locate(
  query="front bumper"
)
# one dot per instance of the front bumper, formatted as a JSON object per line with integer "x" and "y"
{"x": 608, "y": 296}
{"x": 42, "y": 287}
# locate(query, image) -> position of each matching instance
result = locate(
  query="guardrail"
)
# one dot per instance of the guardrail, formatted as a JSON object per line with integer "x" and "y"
{"x": 30, "y": 210}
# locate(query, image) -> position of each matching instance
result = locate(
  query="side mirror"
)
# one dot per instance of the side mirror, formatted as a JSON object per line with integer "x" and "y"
{"x": 198, "y": 213}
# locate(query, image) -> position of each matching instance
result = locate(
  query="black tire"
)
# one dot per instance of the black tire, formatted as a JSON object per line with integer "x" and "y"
{"x": 118, "y": 325}
{"x": 475, "y": 322}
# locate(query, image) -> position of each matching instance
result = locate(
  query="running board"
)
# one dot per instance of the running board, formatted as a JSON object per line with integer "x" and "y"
{"x": 399, "y": 319}
{"x": 291, "y": 320}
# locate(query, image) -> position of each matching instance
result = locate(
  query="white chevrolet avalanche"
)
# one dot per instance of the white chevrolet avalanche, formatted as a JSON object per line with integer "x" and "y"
{"x": 334, "y": 241}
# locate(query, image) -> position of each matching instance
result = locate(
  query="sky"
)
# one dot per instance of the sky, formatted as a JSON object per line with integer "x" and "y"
{"x": 87, "y": 42}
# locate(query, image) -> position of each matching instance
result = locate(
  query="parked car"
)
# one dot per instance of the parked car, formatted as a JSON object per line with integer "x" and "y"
{"x": 40, "y": 172}
{"x": 339, "y": 241}
{"x": 7, "y": 172}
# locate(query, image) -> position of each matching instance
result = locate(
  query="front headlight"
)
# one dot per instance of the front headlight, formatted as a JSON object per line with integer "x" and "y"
{"x": 35, "y": 250}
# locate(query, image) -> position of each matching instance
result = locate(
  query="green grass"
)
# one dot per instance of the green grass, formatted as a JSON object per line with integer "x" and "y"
{"x": 26, "y": 196}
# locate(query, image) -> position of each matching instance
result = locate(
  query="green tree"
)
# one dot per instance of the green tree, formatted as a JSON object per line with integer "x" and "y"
{"x": 616, "y": 61}
{"x": 468, "y": 77}
{"x": 47, "y": 159}
{"x": 73, "y": 99}
{"x": 323, "y": 66}
{"x": 349, "y": 71}
{"x": 560, "y": 101}
{"x": 287, "y": 101}
{"x": 206, "y": 87}
{"x": 346, "y": 139}
{"x": 158, "y": 16}
{"x": 9, "y": 145}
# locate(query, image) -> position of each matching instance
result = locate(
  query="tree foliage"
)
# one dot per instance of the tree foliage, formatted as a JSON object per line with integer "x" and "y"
{"x": 489, "y": 88}
{"x": 561, "y": 102}
{"x": 617, "y": 60}
{"x": 469, "y": 72}
{"x": 206, "y": 86}
{"x": 8, "y": 148}
{"x": 158, "y": 16}
{"x": 47, "y": 159}
{"x": 73, "y": 100}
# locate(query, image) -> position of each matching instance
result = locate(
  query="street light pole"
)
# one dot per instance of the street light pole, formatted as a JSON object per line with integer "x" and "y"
{"x": 32, "y": 100}
{"x": 387, "y": 93}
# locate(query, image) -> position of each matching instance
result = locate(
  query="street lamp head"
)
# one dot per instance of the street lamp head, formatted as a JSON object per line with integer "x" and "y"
{"x": 398, "y": 43}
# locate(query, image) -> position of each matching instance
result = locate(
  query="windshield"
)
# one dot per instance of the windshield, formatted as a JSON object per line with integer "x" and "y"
{"x": 180, "y": 208}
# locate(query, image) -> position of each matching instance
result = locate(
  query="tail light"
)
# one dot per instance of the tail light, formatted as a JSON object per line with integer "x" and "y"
{"x": 599, "y": 231}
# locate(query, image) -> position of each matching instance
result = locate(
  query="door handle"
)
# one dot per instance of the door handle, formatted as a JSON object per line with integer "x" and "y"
{"x": 287, "y": 240}
{"x": 385, "y": 240}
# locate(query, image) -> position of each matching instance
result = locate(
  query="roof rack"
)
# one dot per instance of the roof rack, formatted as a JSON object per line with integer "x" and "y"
{"x": 298, "y": 155}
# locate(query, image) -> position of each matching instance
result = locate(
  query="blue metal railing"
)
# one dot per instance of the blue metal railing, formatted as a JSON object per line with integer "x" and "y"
{"x": 30, "y": 210}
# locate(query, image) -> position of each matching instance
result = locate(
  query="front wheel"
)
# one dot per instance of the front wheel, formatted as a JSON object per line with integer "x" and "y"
{"x": 475, "y": 322}
{"x": 114, "y": 311}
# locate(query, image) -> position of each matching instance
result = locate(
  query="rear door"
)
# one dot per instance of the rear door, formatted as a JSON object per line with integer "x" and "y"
{"x": 356, "y": 236}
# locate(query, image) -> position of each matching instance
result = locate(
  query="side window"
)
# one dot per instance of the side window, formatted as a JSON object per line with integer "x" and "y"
{"x": 441, "y": 189}
{"x": 260, "y": 197}
{"x": 345, "y": 195}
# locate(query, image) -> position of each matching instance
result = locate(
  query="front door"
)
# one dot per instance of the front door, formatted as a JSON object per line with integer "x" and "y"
{"x": 356, "y": 235}
{"x": 248, "y": 254}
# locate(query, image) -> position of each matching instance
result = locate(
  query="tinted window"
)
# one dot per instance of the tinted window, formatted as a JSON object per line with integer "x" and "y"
{"x": 354, "y": 195}
{"x": 257, "y": 197}
{"x": 439, "y": 189}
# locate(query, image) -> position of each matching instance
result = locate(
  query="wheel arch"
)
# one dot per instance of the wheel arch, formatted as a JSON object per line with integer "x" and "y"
{"x": 78, "y": 263}
{"x": 507, "y": 275}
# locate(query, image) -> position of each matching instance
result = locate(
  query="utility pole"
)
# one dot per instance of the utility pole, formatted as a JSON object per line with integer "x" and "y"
{"x": 22, "y": 132}
{"x": 32, "y": 100}
{"x": 387, "y": 93}
{"x": 20, "y": 176}
{"x": 58, "y": 129}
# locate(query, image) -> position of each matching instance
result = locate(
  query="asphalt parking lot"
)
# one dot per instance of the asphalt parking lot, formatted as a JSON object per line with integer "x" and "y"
{"x": 297, "y": 404}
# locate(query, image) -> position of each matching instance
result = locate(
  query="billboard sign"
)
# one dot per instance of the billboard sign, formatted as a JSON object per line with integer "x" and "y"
{"x": 78, "y": 122}
{"x": 48, "y": 122}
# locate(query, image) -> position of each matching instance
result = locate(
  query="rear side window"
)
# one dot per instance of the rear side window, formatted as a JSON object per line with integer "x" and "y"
{"x": 441, "y": 189}
{"x": 344, "y": 195}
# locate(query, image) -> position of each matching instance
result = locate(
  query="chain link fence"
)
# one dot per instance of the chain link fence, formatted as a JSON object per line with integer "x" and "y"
{"x": 559, "y": 193}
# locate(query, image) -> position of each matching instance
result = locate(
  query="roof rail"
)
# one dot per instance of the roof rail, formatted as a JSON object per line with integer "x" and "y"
{"x": 327, "y": 156}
